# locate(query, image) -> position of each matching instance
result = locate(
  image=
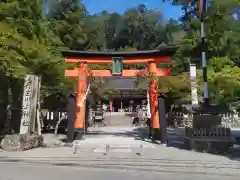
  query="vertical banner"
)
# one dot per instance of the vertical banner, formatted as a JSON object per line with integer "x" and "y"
{"x": 202, "y": 6}
{"x": 148, "y": 105}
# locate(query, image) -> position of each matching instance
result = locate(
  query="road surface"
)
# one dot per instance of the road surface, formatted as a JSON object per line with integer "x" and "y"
{"x": 13, "y": 171}
{"x": 126, "y": 160}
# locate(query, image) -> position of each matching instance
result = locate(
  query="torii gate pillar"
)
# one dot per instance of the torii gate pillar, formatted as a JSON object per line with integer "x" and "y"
{"x": 79, "y": 123}
{"x": 153, "y": 94}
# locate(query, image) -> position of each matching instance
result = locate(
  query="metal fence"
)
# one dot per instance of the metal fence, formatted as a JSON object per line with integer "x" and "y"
{"x": 180, "y": 119}
{"x": 50, "y": 118}
{"x": 177, "y": 119}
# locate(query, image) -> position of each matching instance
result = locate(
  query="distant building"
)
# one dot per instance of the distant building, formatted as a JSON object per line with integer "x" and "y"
{"x": 127, "y": 95}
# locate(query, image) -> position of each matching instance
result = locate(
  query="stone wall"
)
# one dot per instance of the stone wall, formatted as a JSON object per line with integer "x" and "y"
{"x": 21, "y": 142}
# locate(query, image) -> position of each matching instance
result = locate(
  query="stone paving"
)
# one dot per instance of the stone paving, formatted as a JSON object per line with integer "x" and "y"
{"x": 124, "y": 147}
{"x": 120, "y": 136}
{"x": 152, "y": 159}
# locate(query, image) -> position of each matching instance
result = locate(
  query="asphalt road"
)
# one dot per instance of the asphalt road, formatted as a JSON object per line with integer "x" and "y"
{"x": 173, "y": 163}
{"x": 13, "y": 171}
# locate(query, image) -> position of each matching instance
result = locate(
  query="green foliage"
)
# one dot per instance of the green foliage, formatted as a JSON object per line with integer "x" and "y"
{"x": 30, "y": 39}
{"x": 27, "y": 45}
{"x": 218, "y": 63}
{"x": 66, "y": 21}
{"x": 222, "y": 46}
{"x": 225, "y": 84}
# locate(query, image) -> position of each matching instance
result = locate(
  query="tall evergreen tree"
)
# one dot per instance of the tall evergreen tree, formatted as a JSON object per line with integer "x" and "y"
{"x": 67, "y": 21}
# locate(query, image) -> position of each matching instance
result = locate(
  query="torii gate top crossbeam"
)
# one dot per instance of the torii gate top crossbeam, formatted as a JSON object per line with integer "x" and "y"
{"x": 162, "y": 55}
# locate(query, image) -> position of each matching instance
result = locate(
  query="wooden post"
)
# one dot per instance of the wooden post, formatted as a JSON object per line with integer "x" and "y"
{"x": 163, "y": 122}
{"x": 71, "y": 115}
{"x": 79, "y": 123}
{"x": 153, "y": 94}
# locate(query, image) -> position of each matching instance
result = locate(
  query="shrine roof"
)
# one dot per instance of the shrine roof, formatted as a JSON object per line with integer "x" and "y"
{"x": 167, "y": 51}
{"x": 120, "y": 83}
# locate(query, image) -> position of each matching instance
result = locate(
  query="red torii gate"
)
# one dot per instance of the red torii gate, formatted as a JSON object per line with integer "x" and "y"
{"x": 117, "y": 59}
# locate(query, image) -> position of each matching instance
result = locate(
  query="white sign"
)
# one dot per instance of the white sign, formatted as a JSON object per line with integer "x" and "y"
{"x": 193, "y": 71}
{"x": 193, "y": 82}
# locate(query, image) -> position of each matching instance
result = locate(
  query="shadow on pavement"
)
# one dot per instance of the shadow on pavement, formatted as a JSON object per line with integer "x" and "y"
{"x": 133, "y": 114}
{"x": 175, "y": 138}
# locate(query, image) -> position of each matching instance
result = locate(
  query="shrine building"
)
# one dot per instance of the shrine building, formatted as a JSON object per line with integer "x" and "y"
{"x": 127, "y": 95}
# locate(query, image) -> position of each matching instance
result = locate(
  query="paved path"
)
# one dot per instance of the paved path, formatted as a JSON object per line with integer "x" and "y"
{"x": 121, "y": 136}
{"x": 119, "y": 120}
{"x": 130, "y": 156}
{"x": 159, "y": 161}
{"x": 125, "y": 159}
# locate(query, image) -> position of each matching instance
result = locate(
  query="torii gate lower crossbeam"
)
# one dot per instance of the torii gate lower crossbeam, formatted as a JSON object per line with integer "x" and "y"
{"x": 149, "y": 57}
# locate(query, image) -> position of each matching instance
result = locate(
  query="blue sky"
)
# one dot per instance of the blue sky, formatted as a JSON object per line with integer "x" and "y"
{"x": 96, "y": 6}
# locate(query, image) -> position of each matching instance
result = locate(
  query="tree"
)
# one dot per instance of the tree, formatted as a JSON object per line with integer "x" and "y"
{"x": 26, "y": 47}
{"x": 67, "y": 21}
{"x": 31, "y": 39}
{"x": 222, "y": 46}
